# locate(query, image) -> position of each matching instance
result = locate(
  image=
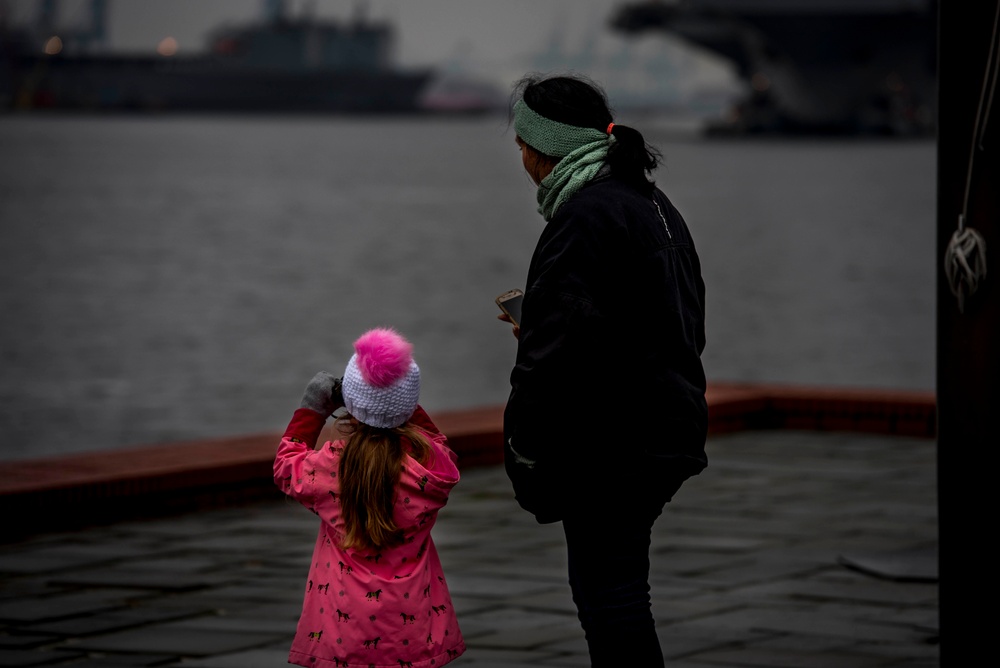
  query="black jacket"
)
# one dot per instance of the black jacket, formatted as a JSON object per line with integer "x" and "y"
{"x": 608, "y": 378}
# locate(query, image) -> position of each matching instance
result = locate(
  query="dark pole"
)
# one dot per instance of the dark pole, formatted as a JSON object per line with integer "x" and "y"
{"x": 968, "y": 341}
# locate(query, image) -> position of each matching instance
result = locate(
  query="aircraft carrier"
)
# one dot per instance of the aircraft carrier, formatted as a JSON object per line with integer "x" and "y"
{"x": 844, "y": 66}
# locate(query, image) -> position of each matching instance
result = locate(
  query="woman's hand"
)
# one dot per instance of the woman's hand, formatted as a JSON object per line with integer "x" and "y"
{"x": 515, "y": 328}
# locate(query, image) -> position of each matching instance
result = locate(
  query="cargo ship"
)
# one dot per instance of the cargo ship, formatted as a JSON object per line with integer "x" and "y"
{"x": 279, "y": 63}
{"x": 843, "y": 66}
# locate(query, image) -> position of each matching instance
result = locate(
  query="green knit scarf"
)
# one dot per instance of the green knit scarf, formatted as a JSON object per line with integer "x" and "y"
{"x": 582, "y": 152}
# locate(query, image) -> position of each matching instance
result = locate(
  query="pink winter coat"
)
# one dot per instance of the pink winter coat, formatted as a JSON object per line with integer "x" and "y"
{"x": 363, "y": 609}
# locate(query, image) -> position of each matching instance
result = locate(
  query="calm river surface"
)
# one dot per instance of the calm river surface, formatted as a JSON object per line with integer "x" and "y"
{"x": 170, "y": 278}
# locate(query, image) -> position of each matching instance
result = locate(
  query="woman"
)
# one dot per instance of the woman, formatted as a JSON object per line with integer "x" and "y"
{"x": 607, "y": 415}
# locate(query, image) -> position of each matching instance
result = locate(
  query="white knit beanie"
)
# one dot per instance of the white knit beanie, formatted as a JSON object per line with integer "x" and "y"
{"x": 381, "y": 384}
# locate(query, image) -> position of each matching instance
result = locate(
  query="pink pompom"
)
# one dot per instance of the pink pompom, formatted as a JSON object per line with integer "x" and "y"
{"x": 384, "y": 356}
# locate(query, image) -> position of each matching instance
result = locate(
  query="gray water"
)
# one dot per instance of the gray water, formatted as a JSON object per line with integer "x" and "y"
{"x": 172, "y": 278}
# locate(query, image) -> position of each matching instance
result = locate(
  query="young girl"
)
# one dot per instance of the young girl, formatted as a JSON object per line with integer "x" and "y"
{"x": 376, "y": 594}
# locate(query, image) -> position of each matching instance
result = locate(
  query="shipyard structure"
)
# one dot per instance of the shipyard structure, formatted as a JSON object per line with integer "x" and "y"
{"x": 812, "y": 65}
{"x": 279, "y": 63}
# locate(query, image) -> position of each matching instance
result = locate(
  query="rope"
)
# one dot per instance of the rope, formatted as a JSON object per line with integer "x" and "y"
{"x": 993, "y": 84}
{"x": 965, "y": 263}
{"x": 965, "y": 256}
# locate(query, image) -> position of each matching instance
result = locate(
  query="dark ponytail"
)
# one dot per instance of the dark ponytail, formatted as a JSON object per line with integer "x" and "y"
{"x": 575, "y": 100}
{"x": 631, "y": 158}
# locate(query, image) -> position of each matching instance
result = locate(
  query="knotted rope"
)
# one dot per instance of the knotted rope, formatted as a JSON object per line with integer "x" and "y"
{"x": 965, "y": 262}
{"x": 965, "y": 256}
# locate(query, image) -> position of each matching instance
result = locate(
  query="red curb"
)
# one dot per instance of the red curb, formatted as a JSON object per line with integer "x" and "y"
{"x": 892, "y": 412}
{"x": 82, "y": 489}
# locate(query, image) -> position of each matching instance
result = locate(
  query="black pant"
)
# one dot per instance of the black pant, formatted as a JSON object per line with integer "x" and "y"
{"x": 608, "y": 548}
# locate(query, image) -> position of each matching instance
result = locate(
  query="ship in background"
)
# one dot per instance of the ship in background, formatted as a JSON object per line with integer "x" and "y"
{"x": 279, "y": 64}
{"x": 843, "y": 66}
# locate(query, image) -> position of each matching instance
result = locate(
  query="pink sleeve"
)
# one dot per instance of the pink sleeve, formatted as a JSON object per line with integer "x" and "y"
{"x": 421, "y": 419}
{"x": 293, "y": 471}
{"x": 306, "y": 426}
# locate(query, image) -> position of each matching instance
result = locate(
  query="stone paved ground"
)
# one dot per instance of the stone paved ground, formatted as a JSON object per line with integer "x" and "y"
{"x": 748, "y": 570}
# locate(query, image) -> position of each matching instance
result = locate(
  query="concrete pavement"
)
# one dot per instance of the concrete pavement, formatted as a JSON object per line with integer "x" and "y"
{"x": 800, "y": 549}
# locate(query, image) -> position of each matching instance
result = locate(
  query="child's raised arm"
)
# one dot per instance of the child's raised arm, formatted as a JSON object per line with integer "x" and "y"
{"x": 321, "y": 398}
{"x": 421, "y": 419}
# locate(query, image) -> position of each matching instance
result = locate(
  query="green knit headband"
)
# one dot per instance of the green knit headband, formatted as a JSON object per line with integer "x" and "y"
{"x": 551, "y": 137}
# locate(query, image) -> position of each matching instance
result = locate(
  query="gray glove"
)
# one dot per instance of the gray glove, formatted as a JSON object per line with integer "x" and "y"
{"x": 323, "y": 394}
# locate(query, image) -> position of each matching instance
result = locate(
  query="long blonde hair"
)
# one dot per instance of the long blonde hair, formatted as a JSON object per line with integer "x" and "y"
{"x": 370, "y": 467}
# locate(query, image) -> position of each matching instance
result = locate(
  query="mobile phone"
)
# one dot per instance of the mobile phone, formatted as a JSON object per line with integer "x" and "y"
{"x": 510, "y": 303}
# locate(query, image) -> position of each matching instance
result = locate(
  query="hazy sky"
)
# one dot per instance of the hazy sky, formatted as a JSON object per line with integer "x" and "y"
{"x": 428, "y": 30}
{"x": 499, "y": 37}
